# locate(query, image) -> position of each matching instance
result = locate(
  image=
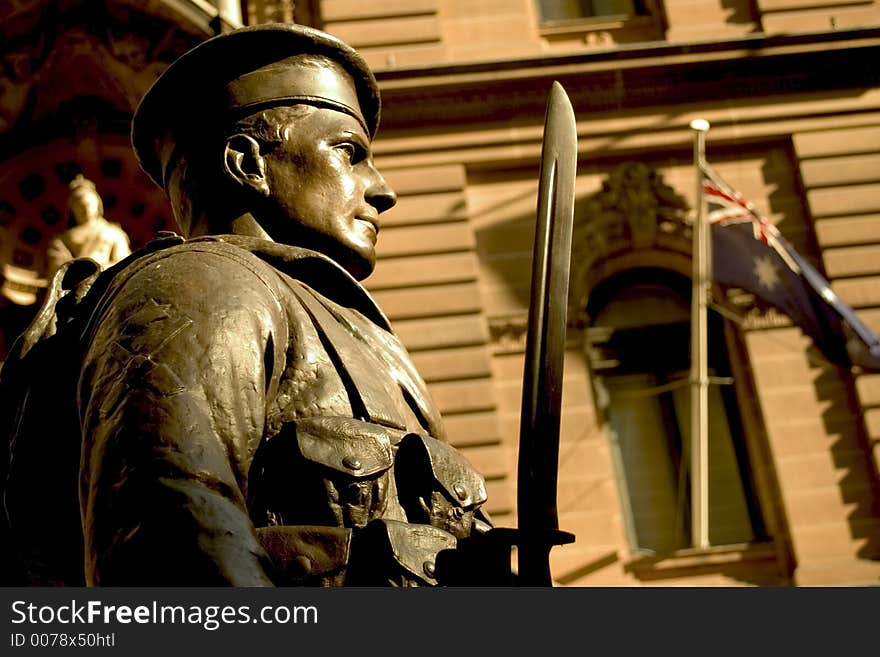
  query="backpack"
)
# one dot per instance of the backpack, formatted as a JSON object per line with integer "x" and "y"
{"x": 41, "y": 537}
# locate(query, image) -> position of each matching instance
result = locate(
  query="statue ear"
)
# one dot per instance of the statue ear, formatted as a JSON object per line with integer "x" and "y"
{"x": 243, "y": 163}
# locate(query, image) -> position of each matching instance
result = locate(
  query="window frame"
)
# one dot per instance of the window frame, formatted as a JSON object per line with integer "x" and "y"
{"x": 758, "y": 497}
{"x": 616, "y": 25}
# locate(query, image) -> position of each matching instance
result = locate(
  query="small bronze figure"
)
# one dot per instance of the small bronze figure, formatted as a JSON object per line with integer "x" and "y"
{"x": 93, "y": 236}
{"x": 238, "y": 409}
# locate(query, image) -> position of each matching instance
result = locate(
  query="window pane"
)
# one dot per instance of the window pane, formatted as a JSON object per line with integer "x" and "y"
{"x": 561, "y": 10}
{"x": 613, "y": 8}
{"x": 729, "y": 520}
{"x": 641, "y": 360}
{"x": 567, "y": 10}
{"x": 657, "y": 499}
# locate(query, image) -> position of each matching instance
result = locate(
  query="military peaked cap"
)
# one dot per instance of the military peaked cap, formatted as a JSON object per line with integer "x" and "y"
{"x": 243, "y": 71}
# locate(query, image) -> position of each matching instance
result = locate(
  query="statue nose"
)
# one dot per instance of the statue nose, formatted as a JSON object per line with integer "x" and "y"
{"x": 380, "y": 195}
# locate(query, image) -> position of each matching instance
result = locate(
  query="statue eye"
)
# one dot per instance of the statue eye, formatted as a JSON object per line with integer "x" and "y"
{"x": 349, "y": 149}
{"x": 353, "y": 151}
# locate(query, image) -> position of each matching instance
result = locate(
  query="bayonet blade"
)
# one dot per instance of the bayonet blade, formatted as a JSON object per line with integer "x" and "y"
{"x": 545, "y": 344}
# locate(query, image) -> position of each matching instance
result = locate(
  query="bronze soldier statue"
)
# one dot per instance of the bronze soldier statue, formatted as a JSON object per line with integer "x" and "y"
{"x": 240, "y": 411}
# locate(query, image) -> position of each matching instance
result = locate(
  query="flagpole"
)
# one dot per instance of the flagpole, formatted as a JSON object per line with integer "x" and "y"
{"x": 700, "y": 352}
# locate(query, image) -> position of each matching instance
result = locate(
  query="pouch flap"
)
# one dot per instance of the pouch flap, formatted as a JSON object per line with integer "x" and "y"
{"x": 415, "y": 547}
{"x": 354, "y": 447}
{"x": 452, "y": 471}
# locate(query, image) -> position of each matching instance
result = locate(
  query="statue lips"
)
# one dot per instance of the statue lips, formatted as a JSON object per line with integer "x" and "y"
{"x": 372, "y": 223}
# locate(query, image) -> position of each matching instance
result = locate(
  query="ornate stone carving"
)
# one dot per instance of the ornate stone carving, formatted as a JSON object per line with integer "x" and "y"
{"x": 508, "y": 333}
{"x": 54, "y": 60}
{"x": 634, "y": 210}
{"x": 637, "y": 212}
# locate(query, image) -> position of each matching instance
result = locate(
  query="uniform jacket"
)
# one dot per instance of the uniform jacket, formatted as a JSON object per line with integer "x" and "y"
{"x": 248, "y": 417}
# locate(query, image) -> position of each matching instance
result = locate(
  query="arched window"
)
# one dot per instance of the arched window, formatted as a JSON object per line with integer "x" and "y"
{"x": 639, "y": 342}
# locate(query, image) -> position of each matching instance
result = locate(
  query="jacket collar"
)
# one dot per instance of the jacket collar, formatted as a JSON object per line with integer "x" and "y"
{"x": 312, "y": 268}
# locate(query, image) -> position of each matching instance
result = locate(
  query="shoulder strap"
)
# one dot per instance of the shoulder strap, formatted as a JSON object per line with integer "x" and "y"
{"x": 165, "y": 247}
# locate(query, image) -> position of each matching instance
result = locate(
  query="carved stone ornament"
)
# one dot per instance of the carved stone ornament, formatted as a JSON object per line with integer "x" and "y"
{"x": 634, "y": 212}
{"x": 637, "y": 218}
{"x": 52, "y": 60}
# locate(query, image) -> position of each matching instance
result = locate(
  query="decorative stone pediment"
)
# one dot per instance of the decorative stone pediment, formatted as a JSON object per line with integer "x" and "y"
{"x": 635, "y": 218}
{"x": 74, "y": 58}
{"x": 71, "y": 74}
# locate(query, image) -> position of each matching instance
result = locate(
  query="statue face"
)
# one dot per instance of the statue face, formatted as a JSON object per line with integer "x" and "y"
{"x": 85, "y": 206}
{"x": 325, "y": 193}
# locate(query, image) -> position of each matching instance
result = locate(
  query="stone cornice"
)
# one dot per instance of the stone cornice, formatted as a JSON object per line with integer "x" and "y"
{"x": 631, "y": 77}
{"x": 758, "y": 44}
{"x": 201, "y": 14}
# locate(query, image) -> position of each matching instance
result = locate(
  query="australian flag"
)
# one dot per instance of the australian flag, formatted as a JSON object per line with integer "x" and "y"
{"x": 750, "y": 253}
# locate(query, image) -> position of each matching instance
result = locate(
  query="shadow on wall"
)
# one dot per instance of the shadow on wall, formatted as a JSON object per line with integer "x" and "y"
{"x": 850, "y": 453}
{"x": 858, "y": 486}
{"x": 742, "y": 12}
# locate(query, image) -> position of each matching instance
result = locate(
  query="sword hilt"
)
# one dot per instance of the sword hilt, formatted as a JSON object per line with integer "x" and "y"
{"x": 485, "y": 559}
